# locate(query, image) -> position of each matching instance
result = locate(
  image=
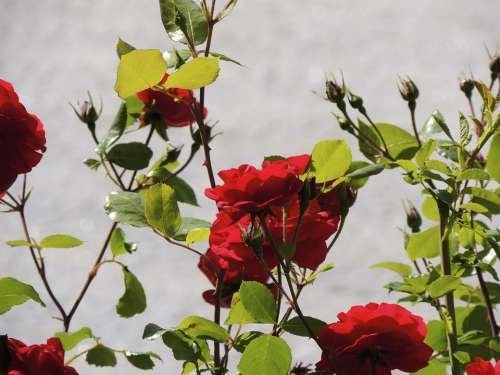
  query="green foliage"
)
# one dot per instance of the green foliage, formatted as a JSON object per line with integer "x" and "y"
{"x": 118, "y": 244}
{"x": 330, "y": 159}
{"x": 434, "y": 368}
{"x": 60, "y": 241}
{"x": 139, "y": 70}
{"x": 116, "y": 130}
{"x": 183, "y": 192}
{"x": 71, "y": 340}
{"x": 122, "y": 47}
{"x": 243, "y": 340}
{"x": 189, "y": 224}
{"x": 198, "y": 327}
{"x": 93, "y": 164}
{"x": 161, "y": 209}
{"x": 143, "y": 361}
{"x": 258, "y": 301}
{"x": 443, "y": 285}
{"x": 424, "y": 244}
{"x": 295, "y": 326}
{"x": 197, "y": 235}
{"x": 132, "y": 156}
{"x": 400, "y": 143}
{"x": 238, "y": 314}
{"x": 13, "y": 292}
{"x": 126, "y": 208}
{"x": 19, "y": 243}
{"x": 133, "y": 301}
{"x": 400, "y": 268}
{"x": 101, "y": 356}
{"x": 493, "y": 159}
{"x": 268, "y": 355}
{"x": 194, "y": 74}
{"x": 184, "y": 21}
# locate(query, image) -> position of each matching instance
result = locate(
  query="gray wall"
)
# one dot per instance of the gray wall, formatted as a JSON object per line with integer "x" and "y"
{"x": 53, "y": 51}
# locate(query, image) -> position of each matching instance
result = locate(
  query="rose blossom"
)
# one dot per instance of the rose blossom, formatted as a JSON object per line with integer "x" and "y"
{"x": 174, "y": 107}
{"x": 43, "y": 359}
{"x": 375, "y": 339}
{"x": 22, "y": 137}
{"x": 480, "y": 367}
{"x": 247, "y": 189}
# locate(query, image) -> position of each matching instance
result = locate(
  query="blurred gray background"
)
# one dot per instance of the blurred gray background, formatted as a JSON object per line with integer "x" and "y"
{"x": 55, "y": 50}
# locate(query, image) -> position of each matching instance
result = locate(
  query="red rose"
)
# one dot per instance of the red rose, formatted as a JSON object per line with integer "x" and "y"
{"x": 22, "y": 137}
{"x": 315, "y": 228}
{"x": 480, "y": 367}
{"x": 247, "y": 189}
{"x": 174, "y": 106}
{"x": 297, "y": 163}
{"x": 43, "y": 359}
{"x": 375, "y": 339}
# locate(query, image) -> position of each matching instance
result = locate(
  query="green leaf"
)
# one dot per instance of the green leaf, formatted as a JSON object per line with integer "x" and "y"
{"x": 13, "y": 293}
{"x": 161, "y": 209}
{"x": 238, "y": 314}
{"x": 488, "y": 199}
{"x": 133, "y": 301}
{"x": 401, "y": 144}
{"x": 101, "y": 356}
{"x": 197, "y": 235}
{"x": 225, "y": 58}
{"x": 189, "y": 224}
{"x": 132, "y": 156}
{"x": 443, "y": 285}
{"x": 183, "y": 192}
{"x": 473, "y": 174}
{"x": 295, "y": 326}
{"x": 194, "y": 74}
{"x": 433, "y": 125}
{"x": 152, "y": 332}
{"x": 196, "y": 326}
{"x": 400, "y": 268}
{"x": 243, "y": 340}
{"x": 366, "y": 171}
{"x": 433, "y": 368}
{"x": 424, "y": 153}
{"x": 118, "y": 244}
{"x": 192, "y": 26}
{"x": 168, "y": 15}
{"x": 60, "y": 241}
{"x": 436, "y": 335}
{"x": 93, "y": 164}
{"x": 126, "y": 208}
{"x": 19, "y": 243}
{"x": 175, "y": 57}
{"x": 268, "y": 355}
{"x": 122, "y": 47}
{"x": 70, "y": 340}
{"x": 115, "y": 131}
{"x": 182, "y": 346}
{"x": 424, "y": 244}
{"x": 330, "y": 159}
{"x": 475, "y": 207}
{"x": 365, "y": 147}
{"x": 258, "y": 301}
{"x": 143, "y": 361}
{"x": 139, "y": 70}
{"x": 430, "y": 209}
{"x": 493, "y": 158}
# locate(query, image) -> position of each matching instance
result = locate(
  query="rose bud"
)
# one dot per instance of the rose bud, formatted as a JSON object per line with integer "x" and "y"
{"x": 413, "y": 218}
{"x": 334, "y": 92}
{"x": 356, "y": 101}
{"x": 495, "y": 67}
{"x": 408, "y": 89}
{"x": 467, "y": 87}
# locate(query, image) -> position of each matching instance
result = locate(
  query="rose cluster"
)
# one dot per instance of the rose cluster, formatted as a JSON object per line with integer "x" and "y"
{"x": 262, "y": 211}
{"x": 43, "y": 359}
{"x": 480, "y": 367}
{"x": 22, "y": 138}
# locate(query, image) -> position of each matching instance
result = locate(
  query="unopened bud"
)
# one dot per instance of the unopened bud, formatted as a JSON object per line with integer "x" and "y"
{"x": 413, "y": 218}
{"x": 467, "y": 87}
{"x": 495, "y": 66}
{"x": 334, "y": 92}
{"x": 408, "y": 89}
{"x": 355, "y": 101}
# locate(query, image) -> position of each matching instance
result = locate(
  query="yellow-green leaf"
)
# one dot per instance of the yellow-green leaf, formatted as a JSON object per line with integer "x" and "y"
{"x": 194, "y": 74}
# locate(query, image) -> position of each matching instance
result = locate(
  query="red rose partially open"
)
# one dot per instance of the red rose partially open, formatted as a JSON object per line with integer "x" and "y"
{"x": 43, "y": 359}
{"x": 480, "y": 367}
{"x": 375, "y": 339}
{"x": 22, "y": 137}
{"x": 174, "y": 107}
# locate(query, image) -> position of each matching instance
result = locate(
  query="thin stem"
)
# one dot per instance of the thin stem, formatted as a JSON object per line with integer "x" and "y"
{"x": 412, "y": 106}
{"x": 487, "y": 302}
{"x": 78, "y": 355}
{"x": 376, "y": 130}
{"x": 39, "y": 264}
{"x": 278, "y": 309}
{"x": 449, "y": 299}
{"x": 339, "y": 231}
{"x": 218, "y": 294}
{"x": 92, "y": 274}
